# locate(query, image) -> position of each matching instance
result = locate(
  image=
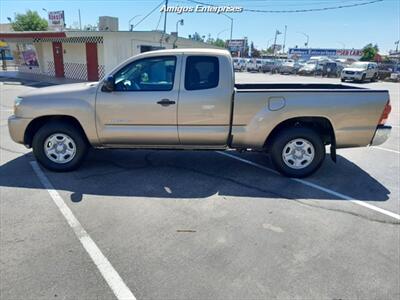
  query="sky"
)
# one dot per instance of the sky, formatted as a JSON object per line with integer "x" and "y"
{"x": 377, "y": 23}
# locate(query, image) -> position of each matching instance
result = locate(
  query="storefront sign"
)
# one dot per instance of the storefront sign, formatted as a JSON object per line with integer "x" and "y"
{"x": 309, "y": 52}
{"x": 56, "y": 20}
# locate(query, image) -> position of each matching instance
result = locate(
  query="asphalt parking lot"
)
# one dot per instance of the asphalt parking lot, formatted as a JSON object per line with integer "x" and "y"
{"x": 200, "y": 225}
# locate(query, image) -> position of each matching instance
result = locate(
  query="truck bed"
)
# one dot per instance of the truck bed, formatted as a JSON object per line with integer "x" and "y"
{"x": 352, "y": 111}
{"x": 296, "y": 86}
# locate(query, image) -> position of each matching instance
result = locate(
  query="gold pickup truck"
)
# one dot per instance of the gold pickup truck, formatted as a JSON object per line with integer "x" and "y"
{"x": 188, "y": 99}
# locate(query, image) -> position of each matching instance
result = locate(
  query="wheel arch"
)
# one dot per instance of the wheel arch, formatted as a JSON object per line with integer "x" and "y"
{"x": 39, "y": 122}
{"x": 322, "y": 125}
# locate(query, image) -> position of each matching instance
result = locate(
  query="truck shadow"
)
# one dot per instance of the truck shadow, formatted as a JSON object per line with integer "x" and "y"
{"x": 191, "y": 175}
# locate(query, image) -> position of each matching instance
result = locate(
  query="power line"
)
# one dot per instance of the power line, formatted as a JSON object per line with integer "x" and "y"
{"x": 159, "y": 20}
{"x": 144, "y": 18}
{"x": 298, "y": 10}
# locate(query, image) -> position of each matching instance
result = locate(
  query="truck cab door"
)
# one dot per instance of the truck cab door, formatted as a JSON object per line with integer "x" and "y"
{"x": 205, "y": 100}
{"x": 141, "y": 108}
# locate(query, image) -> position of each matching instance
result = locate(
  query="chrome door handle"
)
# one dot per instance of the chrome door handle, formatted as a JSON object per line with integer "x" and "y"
{"x": 165, "y": 102}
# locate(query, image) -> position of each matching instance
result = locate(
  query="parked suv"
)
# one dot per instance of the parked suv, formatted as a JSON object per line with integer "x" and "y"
{"x": 270, "y": 65}
{"x": 360, "y": 71}
{"x": 289, "y": 67}
{"x": 254, "y": 65}
{"x": 239, "y": 64}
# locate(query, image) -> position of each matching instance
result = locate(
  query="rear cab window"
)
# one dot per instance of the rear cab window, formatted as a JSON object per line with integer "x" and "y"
{"x": 201, "y": 72}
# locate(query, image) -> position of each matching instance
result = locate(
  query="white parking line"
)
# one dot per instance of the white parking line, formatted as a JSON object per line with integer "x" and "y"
{"x": 108, "y": 272}
{"x": 386, "y": 149}
{"x": 318, "y": 187}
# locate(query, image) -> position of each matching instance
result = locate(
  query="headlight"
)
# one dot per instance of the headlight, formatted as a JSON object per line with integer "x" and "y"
{"x": 17, "y": 102}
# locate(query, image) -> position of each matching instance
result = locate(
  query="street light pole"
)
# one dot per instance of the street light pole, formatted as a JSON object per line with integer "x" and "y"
{"x": 308, "y": 38}
{"x": 276, "y": 35}
{"x": 230, "y": 18}
{"x": 284, "y": 39}
{"x": 177, "y": 23}
{"x": 226, "y": 29}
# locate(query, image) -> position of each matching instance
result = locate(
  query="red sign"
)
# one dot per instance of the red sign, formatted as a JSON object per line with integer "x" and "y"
{"x": 349, "y": 52}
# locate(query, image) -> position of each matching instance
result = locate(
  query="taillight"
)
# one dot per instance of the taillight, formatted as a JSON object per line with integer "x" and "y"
{"x": 385, "y": 113}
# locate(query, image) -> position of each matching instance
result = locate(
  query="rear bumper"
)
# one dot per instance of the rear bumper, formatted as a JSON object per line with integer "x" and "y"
{"x": 382, "y": 133}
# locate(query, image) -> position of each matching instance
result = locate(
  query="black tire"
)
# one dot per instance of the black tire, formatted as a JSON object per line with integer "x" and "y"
{"x": 363, "y": 78}
{"x": 342, "y": 80}
{"x": 280, "y": 142}
{"x": 374, "y": 78}
{"x": 74, "y": 133}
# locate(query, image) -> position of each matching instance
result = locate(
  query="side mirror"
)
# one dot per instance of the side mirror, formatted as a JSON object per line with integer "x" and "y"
{"x": 108, "y": 84}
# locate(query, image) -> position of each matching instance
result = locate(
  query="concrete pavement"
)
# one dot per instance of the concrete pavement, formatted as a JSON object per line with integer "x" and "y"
{"x": 202, "y": 225}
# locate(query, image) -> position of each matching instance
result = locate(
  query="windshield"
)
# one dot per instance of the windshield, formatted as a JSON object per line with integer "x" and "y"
{"x": 359, "y": 65}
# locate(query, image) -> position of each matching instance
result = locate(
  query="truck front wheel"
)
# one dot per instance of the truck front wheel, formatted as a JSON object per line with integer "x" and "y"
{"x": 59, "y": 146}
{"x": 297, "y": 152}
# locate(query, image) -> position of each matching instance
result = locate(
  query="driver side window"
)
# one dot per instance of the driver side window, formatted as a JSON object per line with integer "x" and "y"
{"x": 148, "y": 74}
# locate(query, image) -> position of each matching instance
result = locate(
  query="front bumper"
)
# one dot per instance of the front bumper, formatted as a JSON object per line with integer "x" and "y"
{"x": 17, "y": 127}
{"x": 351, "y": 77}
{"x": 382, "y": 133}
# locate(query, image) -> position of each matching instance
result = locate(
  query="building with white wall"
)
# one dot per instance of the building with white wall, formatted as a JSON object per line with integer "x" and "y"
{"x": 85, "y": 55}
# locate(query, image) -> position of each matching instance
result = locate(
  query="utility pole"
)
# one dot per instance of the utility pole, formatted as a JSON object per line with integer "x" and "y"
{"x": 80, "y": 21}
{"x": 231, "y": 28}
{"x": 284, "y": 39}
{"x": 165, "y": 16}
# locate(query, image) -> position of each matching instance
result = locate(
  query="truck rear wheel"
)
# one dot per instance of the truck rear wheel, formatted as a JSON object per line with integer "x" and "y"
{"x": 59, "y": 146}
{"x": 297, "y": 152}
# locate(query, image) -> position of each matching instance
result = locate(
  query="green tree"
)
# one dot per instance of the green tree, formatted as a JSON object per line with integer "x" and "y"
{"x": 218, "y": 43}
{"x": 30, "y": 21}
{"x": 197, "y": 37}
{"x": 369, "y": 52}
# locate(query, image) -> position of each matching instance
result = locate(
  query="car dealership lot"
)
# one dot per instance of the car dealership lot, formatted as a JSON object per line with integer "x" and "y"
{"x": 203, "y": 225}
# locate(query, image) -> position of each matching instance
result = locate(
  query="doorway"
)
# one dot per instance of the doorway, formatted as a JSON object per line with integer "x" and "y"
{"x": 92, "y": 62}
{"x": 58, "y": 59}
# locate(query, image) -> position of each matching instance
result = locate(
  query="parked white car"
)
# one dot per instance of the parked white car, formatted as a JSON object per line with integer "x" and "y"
{"x": 289, "y": 67}
{"x": 309, "y": 68}
{"x": 239, "y": 64}
{"x": 255, "y": 64}
{"x": 360, "y": 71}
